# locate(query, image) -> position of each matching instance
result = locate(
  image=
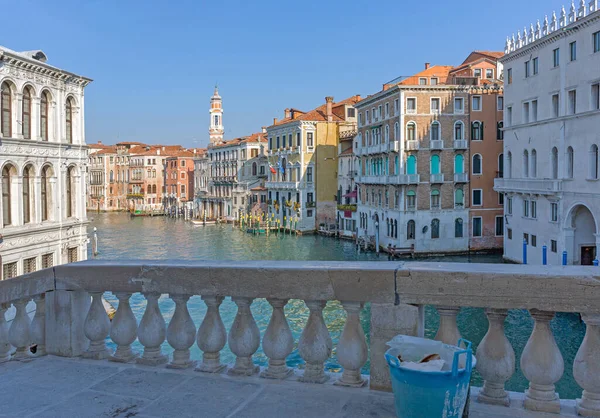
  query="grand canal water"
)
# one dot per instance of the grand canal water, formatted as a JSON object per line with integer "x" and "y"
{"x": 158, "y": 238}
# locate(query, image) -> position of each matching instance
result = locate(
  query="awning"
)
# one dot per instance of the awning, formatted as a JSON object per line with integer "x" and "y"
{"x": 351, "y": 194}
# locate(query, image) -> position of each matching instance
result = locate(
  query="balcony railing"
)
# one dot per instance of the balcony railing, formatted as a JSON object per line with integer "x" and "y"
{"x": 436, "y": 144}
{"x": 409, "y": 179}
{"x": 412, "y": 145}
{"x": 461, "y": 177}
{"x": 276, "y": 185}
{"x": 460, "y": 144}
{"x": 373, "y": 179}
{"x": 436, "y": 178}
{"x": 70, "y": 320}
{"x": 347, "y": 207}
{"x": 394, "y": 146}
{"x": 528, "y": 185}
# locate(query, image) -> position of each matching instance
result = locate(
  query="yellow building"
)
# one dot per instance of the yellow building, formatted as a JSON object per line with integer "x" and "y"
{"x": 303, "y": 149}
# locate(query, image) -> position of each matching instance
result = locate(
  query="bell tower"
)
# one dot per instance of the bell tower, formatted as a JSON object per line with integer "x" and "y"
{"x": 216, "y": 118}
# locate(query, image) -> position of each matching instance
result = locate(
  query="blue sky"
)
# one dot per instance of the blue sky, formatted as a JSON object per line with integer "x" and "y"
{"x": 155, "y": 63}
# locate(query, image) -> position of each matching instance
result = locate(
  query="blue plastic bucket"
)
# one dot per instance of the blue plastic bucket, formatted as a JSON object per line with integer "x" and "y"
{"x": 430, "y": 394}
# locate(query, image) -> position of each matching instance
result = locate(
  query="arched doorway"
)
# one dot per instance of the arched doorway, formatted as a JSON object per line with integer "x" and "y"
{"x": 582, "y": 227}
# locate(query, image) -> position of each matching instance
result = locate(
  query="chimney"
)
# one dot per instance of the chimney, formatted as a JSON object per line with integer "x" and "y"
{"x": 194, "y": 151}
{"x": 157, "y": 152}
{"x": 287, "y": 113}
{"x": 163, "y": 148}
{"x": 329, "y": 111}
{"x": 274, "y": 121}
{"x": 427, "y": 65}
{"x": 263, "y": 129}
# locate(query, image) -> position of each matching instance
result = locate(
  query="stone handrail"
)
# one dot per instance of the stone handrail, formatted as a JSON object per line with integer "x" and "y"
{"x": 67, "y": 324}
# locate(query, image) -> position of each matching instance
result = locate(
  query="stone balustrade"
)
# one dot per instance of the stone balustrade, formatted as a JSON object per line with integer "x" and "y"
{"x": 68, "y": 322}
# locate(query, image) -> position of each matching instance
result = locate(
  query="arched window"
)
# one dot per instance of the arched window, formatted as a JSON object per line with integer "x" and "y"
{"x": 533, "y": 163}
{"x": 554, "y": 163}
{"x": 367, "y": 142}
{"x": 499, "y": 131}
{"x": 254, "y": 169}
{"x": 525, "y": 163}
{"x": 410, "y": 229}
{"x": 26, "y": 110}
{"x": 396, "y": 131}
{"x": 387, "y": 133}
{"x": 435, "y": 228}
{"x": 182, "y": 188}
{"x": 387, "y": 221}
{"x": 459, "y": 164}
{"x": 477, "y": 131}
{"x": 501, "y": 165}
{"x": 458, "y": 131}
{"x": 411, "y": 129}
{"x": 459, "y": 198}
{"x": 395, "y": 228}
{"x": 69, "y": 195}
{"x": 6, "y": 196}
{"x": 594, "y": 161}
{"x": 476, "y": 164}
{"x": 46, "y": 193}
{"x": 570, "y": 162}
{"x": 44, "y": 115}
{"x": 6, "y": 110}
{"x": 411, "y": 165}
{"x": 435, "y": 164}
{"x": 435, "y": 199}
{"x": 387, "y": 166}
{"x": 396, "y": 160}
{"x": 411, "y": 200}
{"x": 458, "y": 228}
{"x": 435, "y": 131}
{"x": 509, "y": 164}
{"x": 28, "y": 200}
{"x": 69, "y": 120}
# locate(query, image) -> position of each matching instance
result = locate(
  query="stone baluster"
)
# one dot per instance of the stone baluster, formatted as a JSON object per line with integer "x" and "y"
{"x": 586, "y": 368}
{"x": 5, "y": 346}
{"x": 542, "y": 364}
{"x": 278, "y": 342}
{"x": 96, "y": 328}
{"x": 495, "y": 360}
{"x": 19, "y": 333}
{"x": 211, "y": 336}
{"x": 448, "y": 332}
{"x": 315, "y": 344}
{"x": 181, "y": 333}
{"x": 123, "y": 329}
{"x": 38, "y": 325}
{"x": 593, "y": 6}
{"x": 151, "y": 332}
{"x": 244, "y": 338}
{"x": 352, "y": 347}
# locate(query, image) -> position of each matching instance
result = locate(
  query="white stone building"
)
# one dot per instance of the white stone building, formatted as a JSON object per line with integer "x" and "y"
{"x": 347, "y": 192}
{"x": 552, "y": 135}
{"x": 43, "y": 164}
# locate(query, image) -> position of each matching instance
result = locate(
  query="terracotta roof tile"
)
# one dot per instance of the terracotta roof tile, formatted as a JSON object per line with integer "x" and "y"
{"x": 320, "y": 113}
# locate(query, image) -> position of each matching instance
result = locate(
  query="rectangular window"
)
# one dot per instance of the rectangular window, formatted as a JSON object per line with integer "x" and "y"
{"x": 411, "y": 105}
{"x": 477, "y": 226}
{"x": 509, "y": 116}
{"x": 535, "y": 65}
{"x": 309, "y": 140}
{"x": 526, "y": 208}
{"x": 554, "y": 212}
{"x": 72, "y": 255}
{"x": 533, "y": 240}
{"x": 527, "y": 69}
{"x": 410, "y": 202}
{"x": 379, "y": 112}
{"x": 309, "y": 176}
{"x": 459, "y": 106}
{"x": 366, "y": 116}
{"x": 500, "y": 103}
{"x": 509, "y": 205}
{"x": 477, "y": 72}
{"x": 501, "y": 199}
{"x": 553, "y": 245}
{"x": 434, "y": 81}
{"x": 29, "y": 265}
{"x": 309, "y": 213}
{"x": 48, "y": 260}
{"x": 435, "y": 105}
{"x": 9, "y": 270}
{"x": 596, "y": 96}
{"x": 499, "y": 226}
{"x": 309, "y": 197}
{"x": 533, "y": 209}
{"x": 351, "y": 112}
{"x": 596, "y": 41}
{"x": 526, "y": 112}
{"x": 555, "y": 105}
{"x": 509, "y": 75}
{"x": 556, "y": 57}
{"x": 422, "y": 81}
{"x": 526, "y": 238}
{"x": 277, "y": 143}
{"x": 477, "y": 197}
{"x": 572, "y": 102}
{"x": 360, "y": 119}
{"x": 573, "y": 51}
{"x": 396, "y": 107}
{"x": 534, "y": 109}
{"x": 509, "y": 233}
{"x": 387, "y": 110}
{"x": 489, "y": 73}
{"x": 476, "y": 103}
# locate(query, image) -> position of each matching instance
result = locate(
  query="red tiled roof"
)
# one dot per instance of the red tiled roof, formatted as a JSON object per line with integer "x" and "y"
{"x": 347, "y": 151}
{"x": 320, "y": 113}
{"x": 256, "y": 137}
{"x": 436, "y": 71}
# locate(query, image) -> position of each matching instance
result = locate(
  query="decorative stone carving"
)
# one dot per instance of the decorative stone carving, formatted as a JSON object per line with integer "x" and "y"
{"x": 151, "y": 332}
{"x": 352, "y": 347}
{"x": 181, "y": 333}
{"x": 278, "y": 342}
{"x": 495, "y": 360}
{"x": 586, "y": 368}
{"x": 448, "y": 332}
{"x": 123, "y": 329}
{"x": 5, "y": 346}
{"x": 211, "y": 336}
{"x": 315, "y": 344}
{"x": 542, "y": 364}
{"x": 19, "y": 333}
{"x": 244, "y": 338}
{"x": 38, "y": 326}
{"x": 96, "y": 328}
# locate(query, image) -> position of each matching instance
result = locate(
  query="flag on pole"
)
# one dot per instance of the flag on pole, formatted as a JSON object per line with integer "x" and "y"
{"x": 272, "y": 169}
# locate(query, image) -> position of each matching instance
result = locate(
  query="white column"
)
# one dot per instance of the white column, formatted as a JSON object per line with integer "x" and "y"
{"x": 586, "y": 368}
{"x": 278, "y": 342}
{"x": 244, "y": 338}
{"x": 38, "y": 325}
{"x": 5, "y": 346}
{"x": 151, "y": 332}
{"x": 352, "y": 347}
{"x": 495, "y": 360}
{"x": 17, "y": 116}
{"x": 315, "y": 344}
{"x": 542, "y": 364}
{"x": 448, "y": 332}
{"x": 211, "y": 336}
{"x": 96, "y": 328}
{"x": 123, "y": 329}
{"x": 35, "y": 119}
{"x": 181, "y": 333}
{"x": 19, "y": 334}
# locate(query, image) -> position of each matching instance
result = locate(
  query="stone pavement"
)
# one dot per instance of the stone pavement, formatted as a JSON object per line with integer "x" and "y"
{"x": 61, "y": 387}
